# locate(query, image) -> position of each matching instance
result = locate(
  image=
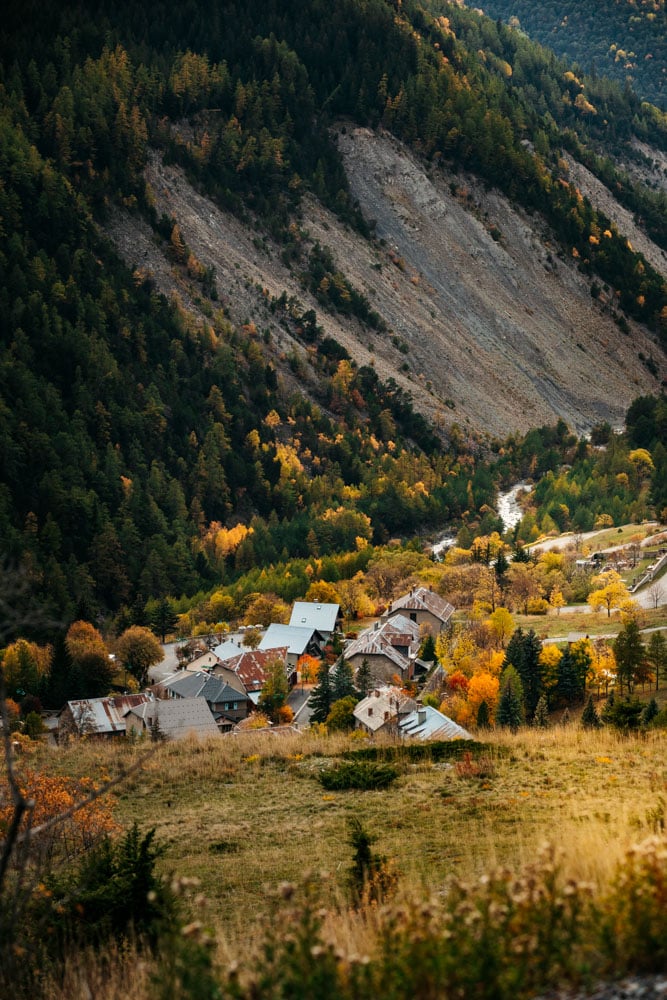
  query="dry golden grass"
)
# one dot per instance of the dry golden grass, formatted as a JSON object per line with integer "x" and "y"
{"x": 246, "y": 813}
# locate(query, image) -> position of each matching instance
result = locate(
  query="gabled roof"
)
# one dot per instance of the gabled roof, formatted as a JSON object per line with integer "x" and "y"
{"x": 206, "y": 661}
{"x": 201, "y": 685}
{"x": 384, "y": 638}
{"x": 179, "y": 717}
{"x": 308, "y": 614}
{"x": 381, "y": 706}
{"x": 427, "y": 723}
{"x": 295, "y": 638}
{"x": 423, "y": 599}
{"x": 250, "y": 666}
{"x": 227, "y": 649}
{"x": 102, "y": 716}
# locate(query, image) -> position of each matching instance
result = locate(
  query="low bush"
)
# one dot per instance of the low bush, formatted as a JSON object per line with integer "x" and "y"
{"x": 364, "y": 775}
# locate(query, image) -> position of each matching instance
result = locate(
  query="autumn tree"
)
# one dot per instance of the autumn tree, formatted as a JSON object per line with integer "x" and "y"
{"x": 341, "y": 716}
{"x": 307, "y": 667}
{"x": 26, "y": 667}
{"x": 523, "y": 584}
{"x": 610, "y": 592}
{"x": 264, "y": 609}
{"x": 92, "y": 670}
{"x": 274, "y": 690}
{"x": 502, "y": 626}
{"x": 138, "y": 650}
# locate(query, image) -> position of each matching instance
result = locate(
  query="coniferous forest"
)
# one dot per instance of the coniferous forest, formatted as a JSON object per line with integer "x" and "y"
{"x": 134, "y": 440}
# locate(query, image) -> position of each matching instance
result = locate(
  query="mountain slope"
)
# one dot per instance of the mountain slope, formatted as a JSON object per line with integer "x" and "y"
{"x": 498, "y": 335}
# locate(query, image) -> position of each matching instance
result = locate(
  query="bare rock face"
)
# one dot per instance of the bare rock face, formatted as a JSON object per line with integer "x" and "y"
{"x": 491, "y": 326}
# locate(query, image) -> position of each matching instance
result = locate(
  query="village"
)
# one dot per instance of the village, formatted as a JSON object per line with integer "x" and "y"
{"x": 207, "y": 688}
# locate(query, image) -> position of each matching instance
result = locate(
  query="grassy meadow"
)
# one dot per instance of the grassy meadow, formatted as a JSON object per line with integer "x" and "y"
{"x": 246, "y": 813}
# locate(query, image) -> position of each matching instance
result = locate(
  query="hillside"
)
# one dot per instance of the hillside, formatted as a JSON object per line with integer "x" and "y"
{"x": 337, "y": 224}
{"x": 498, "y": 334}
{"x": 624, "y": 40}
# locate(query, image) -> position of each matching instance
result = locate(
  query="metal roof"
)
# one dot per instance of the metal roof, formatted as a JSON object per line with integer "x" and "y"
{"x": 423, "y": 599}
{"x": 295, "y": 638}
{"x": 101, "y": 716}
{"x": 250, "y": 667}
{"x": 179, "y": 717}
{"x": 384, "y": 638}
{"x": 382, "y": 705}
{"x": 309, "y": 614}
{"x": 427, "y": 723}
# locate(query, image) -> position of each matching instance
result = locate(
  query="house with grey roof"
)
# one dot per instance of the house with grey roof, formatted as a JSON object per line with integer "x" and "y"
{"x": 174, "y": 719}
{"x": 423, "y": 606}
{"x": 228, "y": 704}
{"x": 298, "y": 639}
{"x": 324, "y": 618}
{"x": 382, "y": 710}
{"x": 248, "y": 669}
{"x": 390, "y": 647}
{"x": 206, "y": 661}
{"x": 427, "y": 723}
{"x": 104, "y": 717}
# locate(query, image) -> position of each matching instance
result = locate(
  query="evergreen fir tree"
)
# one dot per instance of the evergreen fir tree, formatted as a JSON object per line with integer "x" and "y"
{"x": 427, "y": 651}
{"x": 630, "y": 652}
{"x": 342, "y": 681}
{"x": 569, "y": 688}
{"x": 321, "y": 696}
{"x": 589, "y": 717}
{"x": 656, "y": 654}
{"x": 650, "y": 712}
{"x": 364, "y": 679}
{"x": 541, "y": 716}
{"x": 163, "y": 618}
{"x": 510, "y": 712}
{"x": 483, "y": 718}
{"x": 523, "y": 653}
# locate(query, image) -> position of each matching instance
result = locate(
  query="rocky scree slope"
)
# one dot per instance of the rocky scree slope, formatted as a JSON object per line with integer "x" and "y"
{"x": 491, "y": 324}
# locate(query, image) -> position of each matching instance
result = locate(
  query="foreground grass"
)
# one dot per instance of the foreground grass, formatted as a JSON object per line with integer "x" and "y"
{"x": 249, "y": 819}
{"x": 246, "y": 812}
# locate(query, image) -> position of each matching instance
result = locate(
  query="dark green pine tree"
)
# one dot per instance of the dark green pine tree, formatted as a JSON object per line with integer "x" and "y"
{"x": 163, "y": 618}
{"x": 342, "y": 681}
{"x": 650, "y": 712}
{"x": 541, "y": 716}
{"x": 483, "y": 718}
{"x": 656, "y": 654}
{"x": 321, "y": 698}
{"x": 427, "y": 652}
{"x": 630, "y": 652}
{"x": 523, "y": 653}
{"x": 364, "y": 680}
{"x": 569, "y": 687}
{"x": 589, "y": 717}
{"x": 510, "y": 713}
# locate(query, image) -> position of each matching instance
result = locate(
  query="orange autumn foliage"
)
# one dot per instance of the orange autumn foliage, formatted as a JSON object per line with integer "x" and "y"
{"x": 53, "y": 796}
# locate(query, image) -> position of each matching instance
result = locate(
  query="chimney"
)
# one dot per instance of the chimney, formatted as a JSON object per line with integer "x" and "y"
{"x": 421, "y": 716}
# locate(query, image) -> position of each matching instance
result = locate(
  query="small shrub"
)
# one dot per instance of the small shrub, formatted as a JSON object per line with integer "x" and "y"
{"x": 362, "y": 775}
{"x": 370, "y": 878}
{"x": 483, "y": 767}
